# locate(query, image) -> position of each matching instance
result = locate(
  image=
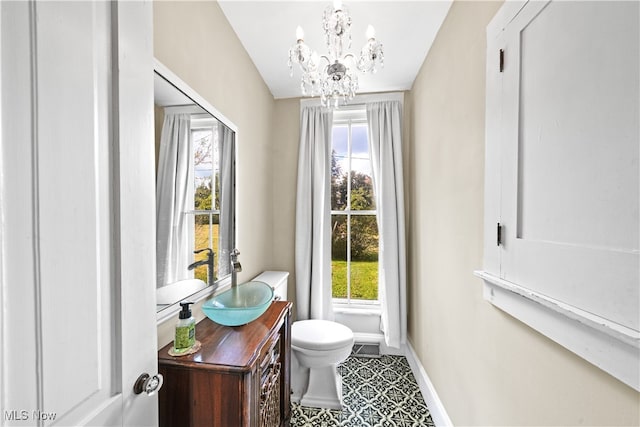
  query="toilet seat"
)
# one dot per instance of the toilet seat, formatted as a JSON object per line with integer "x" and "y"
{"x": 320, "y": 335}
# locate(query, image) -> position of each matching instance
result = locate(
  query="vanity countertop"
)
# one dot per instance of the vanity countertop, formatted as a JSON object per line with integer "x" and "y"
{"x": 230, "y": 348}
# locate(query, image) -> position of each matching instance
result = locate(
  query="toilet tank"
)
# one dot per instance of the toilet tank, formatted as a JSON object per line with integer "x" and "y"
{"x": 277, "y": 280}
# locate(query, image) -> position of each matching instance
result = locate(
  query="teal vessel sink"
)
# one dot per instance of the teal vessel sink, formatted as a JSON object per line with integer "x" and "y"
{"x": 240, "y": 305}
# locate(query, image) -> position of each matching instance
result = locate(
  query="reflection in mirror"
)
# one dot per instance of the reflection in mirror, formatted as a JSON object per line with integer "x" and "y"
{"x": 195, "y": 192}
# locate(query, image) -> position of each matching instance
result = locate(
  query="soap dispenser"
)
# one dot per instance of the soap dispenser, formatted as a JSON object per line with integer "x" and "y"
{"x": 185, "y": 329}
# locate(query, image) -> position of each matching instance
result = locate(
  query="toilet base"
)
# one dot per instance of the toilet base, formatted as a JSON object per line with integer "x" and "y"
{"x": 299, "y": 379}
{"x": 324, "y": 389}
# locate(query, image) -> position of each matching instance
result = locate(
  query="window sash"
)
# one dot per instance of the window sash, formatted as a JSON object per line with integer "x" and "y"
{"x": 201, "y": 123}
{"x": 210, "y": 213}
{"x": 354, "y": 212}
{"x": 349, "y": 122}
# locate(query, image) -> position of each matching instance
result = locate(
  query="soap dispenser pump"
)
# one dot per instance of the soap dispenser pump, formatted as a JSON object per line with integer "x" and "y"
{"x": 185, "y": 329}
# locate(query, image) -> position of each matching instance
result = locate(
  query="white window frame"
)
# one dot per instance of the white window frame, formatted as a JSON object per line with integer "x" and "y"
{"x": 202, "y": 122}
{"x": 349, "y": 116}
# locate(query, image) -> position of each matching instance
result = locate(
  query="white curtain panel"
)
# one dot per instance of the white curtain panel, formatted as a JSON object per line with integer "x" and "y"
{"x": 313, "y": 216}
{"x": 227, "y": 199}
{"x": 385, "y": 147}
{"x": 173, "y": 195}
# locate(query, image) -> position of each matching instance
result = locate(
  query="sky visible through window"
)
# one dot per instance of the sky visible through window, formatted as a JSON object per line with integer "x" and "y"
{"x": 359, "y": 148}
{"x": 205, "y": 163}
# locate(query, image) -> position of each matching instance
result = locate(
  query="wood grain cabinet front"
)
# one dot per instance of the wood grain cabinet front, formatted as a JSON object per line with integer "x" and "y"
{"x": 240, "y": 377}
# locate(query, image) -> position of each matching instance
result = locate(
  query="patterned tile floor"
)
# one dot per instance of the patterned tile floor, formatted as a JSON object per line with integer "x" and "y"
{"x": 376, "y": 393}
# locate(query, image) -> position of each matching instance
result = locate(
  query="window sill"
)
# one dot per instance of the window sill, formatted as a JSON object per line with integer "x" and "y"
{"x": 170, "y": 310}
{"x": 609, "y": 346}
{"x": 359, "y": 309}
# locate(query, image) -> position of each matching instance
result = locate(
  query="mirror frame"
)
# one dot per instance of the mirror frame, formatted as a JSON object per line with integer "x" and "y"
{"x": 224, "y": 283}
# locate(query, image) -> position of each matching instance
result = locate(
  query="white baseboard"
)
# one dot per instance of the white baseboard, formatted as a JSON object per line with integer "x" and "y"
{"x": 436, "y": 408}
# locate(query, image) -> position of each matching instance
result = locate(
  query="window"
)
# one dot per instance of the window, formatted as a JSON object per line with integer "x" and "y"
{"x": 354, "y": 229}
{"x": 205, "y": 228}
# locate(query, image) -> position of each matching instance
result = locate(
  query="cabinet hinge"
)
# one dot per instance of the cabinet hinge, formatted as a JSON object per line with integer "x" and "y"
{"x": 499, "y": 235}
{"x": 501, "y": 60}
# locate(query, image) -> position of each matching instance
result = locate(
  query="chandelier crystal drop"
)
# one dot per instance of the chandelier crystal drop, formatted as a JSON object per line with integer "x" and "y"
{"x": 333, "y": 76}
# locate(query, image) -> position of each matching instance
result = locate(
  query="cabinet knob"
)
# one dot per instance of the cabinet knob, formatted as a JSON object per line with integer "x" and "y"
{"x": 148, "y": 384}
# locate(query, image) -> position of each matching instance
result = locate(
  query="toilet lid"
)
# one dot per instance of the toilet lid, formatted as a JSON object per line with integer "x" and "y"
{"x": 320, "y": 335}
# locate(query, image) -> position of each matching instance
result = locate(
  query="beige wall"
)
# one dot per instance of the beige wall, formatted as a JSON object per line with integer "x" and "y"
{"x": 284, "y": 142}
{"x": 488, "y": 368}
{"x": 196, "y": 42}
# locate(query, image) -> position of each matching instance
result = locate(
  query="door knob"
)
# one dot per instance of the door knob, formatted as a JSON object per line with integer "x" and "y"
{"x": 148, "y": 384}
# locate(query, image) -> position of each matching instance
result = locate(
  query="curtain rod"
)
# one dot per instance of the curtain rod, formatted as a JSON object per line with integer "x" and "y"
{"x": 359, "y": 100}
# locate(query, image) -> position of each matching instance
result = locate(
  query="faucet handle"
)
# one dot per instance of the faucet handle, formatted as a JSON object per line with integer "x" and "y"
{"x": 197, "y": 251}
{"x": 235, "y": 264}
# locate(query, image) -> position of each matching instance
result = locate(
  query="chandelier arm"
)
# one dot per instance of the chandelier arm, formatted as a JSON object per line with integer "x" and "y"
{"x": 326, "y": 58}
{"x": 350, "y": 56}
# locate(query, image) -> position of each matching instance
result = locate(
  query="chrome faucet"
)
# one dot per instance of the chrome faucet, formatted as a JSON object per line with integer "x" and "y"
{"x": 208, "y": 262}
{"x": 235, "y": 267}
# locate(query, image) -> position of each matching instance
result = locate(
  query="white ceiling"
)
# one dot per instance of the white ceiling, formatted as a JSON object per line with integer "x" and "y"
{"x": 405, "y": 28}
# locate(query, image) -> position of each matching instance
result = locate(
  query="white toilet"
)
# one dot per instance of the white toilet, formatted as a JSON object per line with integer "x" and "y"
{"x": 318, "y": 347}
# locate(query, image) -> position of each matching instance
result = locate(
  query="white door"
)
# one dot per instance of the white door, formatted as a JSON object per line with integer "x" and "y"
{"x": 77, "y": 247}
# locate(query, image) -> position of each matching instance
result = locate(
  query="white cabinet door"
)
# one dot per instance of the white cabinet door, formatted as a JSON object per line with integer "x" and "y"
{"x": 570, "y": 155}
{"x": 562, "y": 176}
{"x": 77, "y": 254}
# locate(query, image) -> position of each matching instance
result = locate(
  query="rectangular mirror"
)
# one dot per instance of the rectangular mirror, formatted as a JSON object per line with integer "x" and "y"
{"x": 195, "y": 192}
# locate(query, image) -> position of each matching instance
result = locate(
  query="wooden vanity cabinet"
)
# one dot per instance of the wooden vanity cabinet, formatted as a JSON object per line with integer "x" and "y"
{"x": 240, "y": 377}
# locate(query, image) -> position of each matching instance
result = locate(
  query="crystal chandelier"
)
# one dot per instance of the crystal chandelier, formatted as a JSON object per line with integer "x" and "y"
{"x": 336, "y": 82}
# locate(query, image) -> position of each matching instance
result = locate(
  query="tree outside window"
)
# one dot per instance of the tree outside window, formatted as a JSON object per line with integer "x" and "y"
{"x": 354, "y": 242}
